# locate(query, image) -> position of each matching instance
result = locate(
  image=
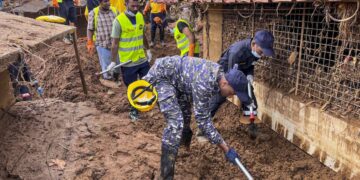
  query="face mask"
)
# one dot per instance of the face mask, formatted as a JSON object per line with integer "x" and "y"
{"x": 254, "y": 53}
{"x": 128, "y": 12}
{"x": 171, "y": 31}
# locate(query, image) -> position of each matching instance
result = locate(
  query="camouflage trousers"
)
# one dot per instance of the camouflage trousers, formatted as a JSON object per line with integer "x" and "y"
{"x": 177, "y": 112}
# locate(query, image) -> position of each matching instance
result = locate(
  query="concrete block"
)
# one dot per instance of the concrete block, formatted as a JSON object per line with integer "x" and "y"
{"x": 334, "y": 141}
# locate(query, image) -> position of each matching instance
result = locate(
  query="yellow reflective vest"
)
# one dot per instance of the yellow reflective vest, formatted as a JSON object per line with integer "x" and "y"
{"x": 131, "y": 44}
{"x": 157, "y": 7}
{"x": 182, "y": 42}
{"x": 96, "y": 18}
{"x": 119, "y": 5}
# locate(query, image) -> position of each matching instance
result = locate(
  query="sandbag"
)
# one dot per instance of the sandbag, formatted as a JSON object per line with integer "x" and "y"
{"x": 51, "y": 18}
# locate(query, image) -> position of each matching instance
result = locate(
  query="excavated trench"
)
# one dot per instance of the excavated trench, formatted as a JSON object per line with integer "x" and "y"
{"x": 77, "y": 137}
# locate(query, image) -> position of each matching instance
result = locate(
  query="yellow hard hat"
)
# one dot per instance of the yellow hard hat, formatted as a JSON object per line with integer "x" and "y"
{"x": 142, "y": 95}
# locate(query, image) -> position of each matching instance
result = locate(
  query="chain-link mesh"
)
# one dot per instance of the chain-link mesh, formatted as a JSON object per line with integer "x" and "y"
{"x": 316, "y": 58}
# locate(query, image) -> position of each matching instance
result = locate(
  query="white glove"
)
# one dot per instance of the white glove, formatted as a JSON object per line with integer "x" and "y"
{"x": 251, "y": 105}
{"x": 250, "y": 78}
{"x": 110, "y": 67}
{"x": 149, "y": 55}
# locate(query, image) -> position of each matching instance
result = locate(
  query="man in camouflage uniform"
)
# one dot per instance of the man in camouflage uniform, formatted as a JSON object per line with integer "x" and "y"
{"x": 180, "y": 81}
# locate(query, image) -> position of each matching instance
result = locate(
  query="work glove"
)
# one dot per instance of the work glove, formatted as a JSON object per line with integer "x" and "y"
{"x": 191, "y": 50}
{"x": 250, "y": 78}
{"x": 110, "y": 68}
{"x": 149, "y": 55}
{"x": 55, "y": 3}
{"x": 231, "y": 155}
{"x": 251, "y": 105}
{"x": 90, "y": 46}
{"x": 40, "y": 91}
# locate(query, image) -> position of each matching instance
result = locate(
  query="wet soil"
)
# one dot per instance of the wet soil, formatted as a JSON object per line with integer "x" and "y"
{"x": 95, "y": 139}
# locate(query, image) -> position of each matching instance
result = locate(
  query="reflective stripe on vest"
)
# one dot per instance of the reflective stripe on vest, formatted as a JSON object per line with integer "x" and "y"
{"x": 182, "y": 42}
{"x": 96, "y": 18}
{"x": 131, "y": 44}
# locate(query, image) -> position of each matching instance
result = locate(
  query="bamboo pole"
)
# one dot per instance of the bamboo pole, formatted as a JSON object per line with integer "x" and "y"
{"x": 79, "y": 64}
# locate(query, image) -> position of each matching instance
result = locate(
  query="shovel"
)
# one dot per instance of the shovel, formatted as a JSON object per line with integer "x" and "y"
{"x": 243, "y": 169}
{"x": 252, "y": 125}
{"x": 119, "y": 65}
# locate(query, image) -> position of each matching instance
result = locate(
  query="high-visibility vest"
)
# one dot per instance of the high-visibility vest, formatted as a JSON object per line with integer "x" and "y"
{"x": 59, "y": 1}
{"x": 182, "y": 42}
{"x": 157, "y": 7}
{"x": 131, "y": 44}
{"x": 96, "y": 18}
{"x": 119, "y": 5}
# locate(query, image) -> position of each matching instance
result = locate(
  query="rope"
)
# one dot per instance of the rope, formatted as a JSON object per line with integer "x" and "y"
{"x": 248, "y": 16}
{"x": 292, "y": 8}
{"x": 207, "y": 7}
{"x": 287, "y": 14}
{"x": 277, "y": 9}
{"x": 328, "y": 15}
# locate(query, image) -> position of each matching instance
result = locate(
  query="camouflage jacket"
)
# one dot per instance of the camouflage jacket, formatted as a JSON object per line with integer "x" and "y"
{"x": 195, "y": 78}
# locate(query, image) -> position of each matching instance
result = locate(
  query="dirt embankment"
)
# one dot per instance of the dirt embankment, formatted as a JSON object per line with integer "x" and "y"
{"x": 95, "y": 139}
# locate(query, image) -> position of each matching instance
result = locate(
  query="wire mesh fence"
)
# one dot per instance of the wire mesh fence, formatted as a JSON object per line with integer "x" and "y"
{"x": 316, "y": 57}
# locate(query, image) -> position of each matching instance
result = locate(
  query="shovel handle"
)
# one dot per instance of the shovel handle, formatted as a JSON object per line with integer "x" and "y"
{"x": 243, "y": 169}
{"x": 119, "y": 65}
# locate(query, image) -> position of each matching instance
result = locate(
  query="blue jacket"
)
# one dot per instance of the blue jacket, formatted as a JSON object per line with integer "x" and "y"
{"x": 196, "y": 78}
{"x": 239, "y": 53}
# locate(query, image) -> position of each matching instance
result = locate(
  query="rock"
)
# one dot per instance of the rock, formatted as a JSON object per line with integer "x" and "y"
{"x": 299, "y": 165}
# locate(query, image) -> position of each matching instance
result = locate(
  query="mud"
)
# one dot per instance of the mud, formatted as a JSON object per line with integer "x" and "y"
{"x": 95, "y": 139}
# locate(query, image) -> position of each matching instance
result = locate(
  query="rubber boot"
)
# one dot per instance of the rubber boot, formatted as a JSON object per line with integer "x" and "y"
{"x": 167, "y": 162}
{"x": 116, "y": 76}
{"x": 186, "y": 137}
{"x": 116, "y": 79}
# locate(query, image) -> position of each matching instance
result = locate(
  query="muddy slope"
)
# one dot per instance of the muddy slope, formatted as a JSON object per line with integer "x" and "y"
{"x": 95, "y": 139}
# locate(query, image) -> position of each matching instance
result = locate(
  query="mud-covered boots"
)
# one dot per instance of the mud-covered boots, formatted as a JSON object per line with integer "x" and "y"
{"x": 116, "y": 79}
{"x": 186, "y": 137}
{"x": 167, "y": 163}
{"x": 134, "y": 114}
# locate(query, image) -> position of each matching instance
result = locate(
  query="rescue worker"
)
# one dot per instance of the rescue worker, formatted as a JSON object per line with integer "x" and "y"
{"x": 20, "y": 73}
{"x": 68, "y": 12}
{"x": 245, "y": 54}
{"x": 157, "y": 19}
{"x": 91, "y": 4}
{"x": 180, "y": 82}
{"x": 185, "y": 39}
{"x": 129, "y": 43}
{"x": 99, "y": 30}
{"x": 119, "y": 5}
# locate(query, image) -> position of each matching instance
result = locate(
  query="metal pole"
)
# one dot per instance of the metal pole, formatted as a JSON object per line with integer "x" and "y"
{"x": 300, "y": 52}
{"x": 119, "y": 65}
{"x": 244, "y": 170}
{"x": 79, "y": 64}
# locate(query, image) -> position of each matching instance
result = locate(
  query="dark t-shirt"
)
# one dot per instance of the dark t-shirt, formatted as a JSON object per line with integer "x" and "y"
{"x": 181, "y": 26}
{"x": 91, "y": 4}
